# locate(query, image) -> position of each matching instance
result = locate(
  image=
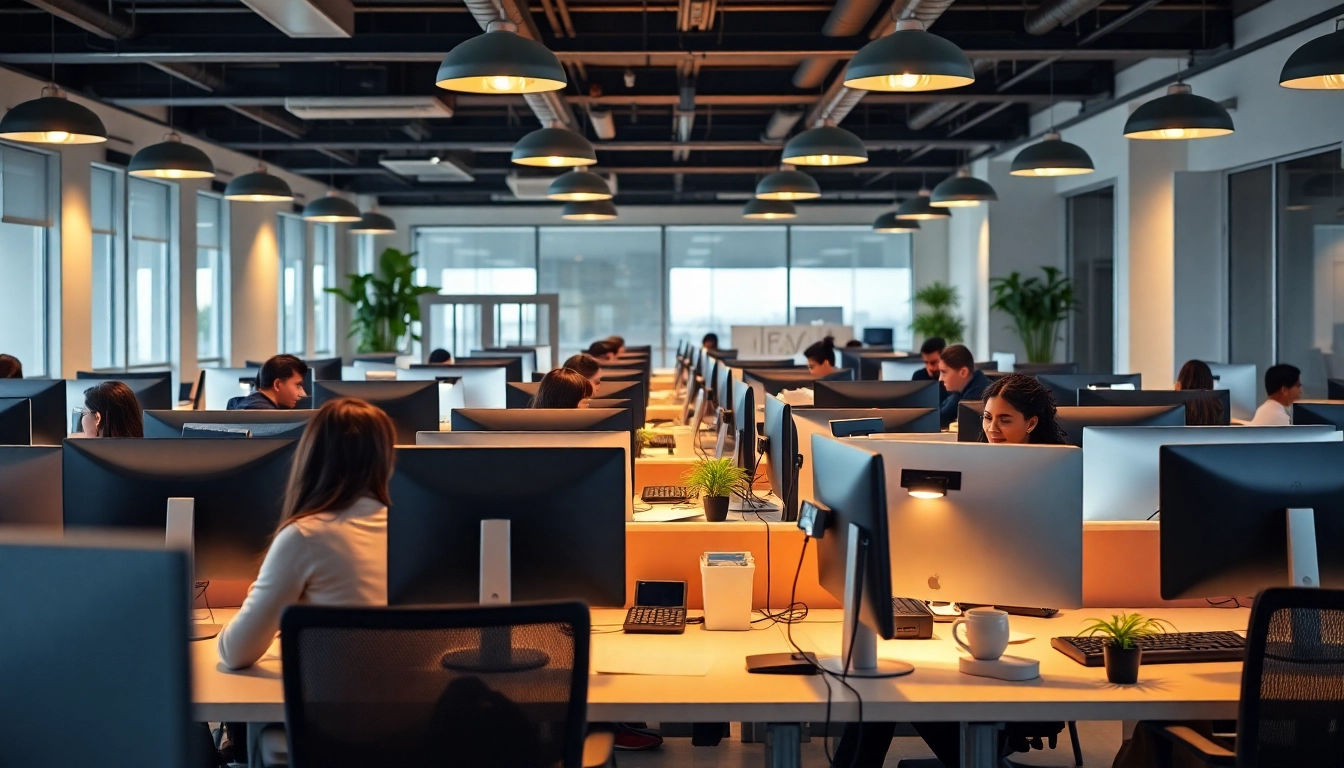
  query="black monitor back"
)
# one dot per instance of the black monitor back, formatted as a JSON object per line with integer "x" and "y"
{"x": 567, "y": 531}
{"x": 747, "y": 364}
{"x": 1319, "y": 412}
{"x": 902, "y": 420}
{"x": 868, "y": 362}
{"x": 1156, "y": 397}
{"x": 49, "y": 415}
{"x": 1073, "y": 419}
{"x": 126, "y": 701}
{"x": 1065, "y": 386}
{"x": 745, "y": 444}
{"x": 721, "y": 354}
{"x": 781, "y": 445}
{"x": 542, "y": 420}
{"x": 879, "y": 337}
{"x": 519, "y": 394}
{"x": 1335, "y": 389}
{"x": 775, "y": 380}
{"x": 30, "y": 486}
{"x": 238, "y": 486}
{"x": 876, "y": 394}
{"x": 1036, "y": 369}
{"x": 513, "y": 366}
{"x": 16, "y": 421}
{"x": 152, "y": 393}
{"x": 413, "y": 406}
{"x": 283, "y": 424}
{"x": 123, "y": 375}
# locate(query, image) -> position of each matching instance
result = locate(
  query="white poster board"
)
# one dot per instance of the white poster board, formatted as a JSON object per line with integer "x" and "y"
{"x": 780, "y": 341}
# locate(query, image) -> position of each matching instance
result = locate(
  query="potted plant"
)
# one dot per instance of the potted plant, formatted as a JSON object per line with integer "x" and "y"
{"x": 1037, "y": 307}
{"x": 386, "y": 304}
{"x": 642, "y": 438}
{"x": 1122, "y": 653}
{"x": 939, "y": 318}
{"x": 715, "y": 480}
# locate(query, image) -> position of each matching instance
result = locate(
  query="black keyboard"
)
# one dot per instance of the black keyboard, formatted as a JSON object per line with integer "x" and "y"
{"x": 913, "y": 619}
{"x": 655, "y": 621}
{"x": 666, "y": 494}
{"x": 1168, "y": 648}
{"x": 663, "y": 441}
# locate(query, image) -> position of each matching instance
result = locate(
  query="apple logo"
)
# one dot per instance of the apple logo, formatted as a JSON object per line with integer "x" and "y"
{"x": 933, "y": 582}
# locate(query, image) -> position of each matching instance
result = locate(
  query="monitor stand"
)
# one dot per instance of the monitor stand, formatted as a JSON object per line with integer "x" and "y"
{"x": 180, "y": 533}
{"x": 496, "y": 652}
{"x": 858, "y": 651}
{"x": 1303, "y": 567}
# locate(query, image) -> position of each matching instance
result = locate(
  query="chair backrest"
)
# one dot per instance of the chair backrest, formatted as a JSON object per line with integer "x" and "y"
{"x": 1292, "y": 684}
{"x": 472, "y": 687}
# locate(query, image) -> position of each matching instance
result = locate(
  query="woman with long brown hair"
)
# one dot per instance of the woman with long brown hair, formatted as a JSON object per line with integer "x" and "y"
{"x": 563, "y": 388}
{"x": 331, "y": 546}
{"x": 111, "y": 410}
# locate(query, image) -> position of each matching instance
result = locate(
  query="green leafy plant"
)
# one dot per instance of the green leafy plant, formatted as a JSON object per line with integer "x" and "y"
{"x": 385, "y": 303}
{"x": 715, "y": 477}
{"x": 1037, "y": 307}
{"x": 643, "y": 437}
{"x": 939, "y": 318}
{"x": 1125, "y": 629}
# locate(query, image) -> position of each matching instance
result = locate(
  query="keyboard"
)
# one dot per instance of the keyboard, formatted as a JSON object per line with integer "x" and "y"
{"x": 663, "y": 441}
{"x": 913, "y": 619}
{"x": 666, "y": 494}
{"x": 1169, "y": 648}
{"x": 648, "y": 620}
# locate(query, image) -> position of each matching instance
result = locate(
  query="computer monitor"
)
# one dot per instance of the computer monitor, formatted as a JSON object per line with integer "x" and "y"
{"x": 123, "y": 375}
{"x": 152, "y": 394}
{"x": 1239, "y": 518}
{"x": 566, "y": 532}
{"x": 413, "y": 406}
{"x": 16, "y": 421}
{"x": 527, "y": 360}
{"x": 1245, "y": 389}
{"x": 783, "y": 460}
{"x": 876, "y": 394}
{"x": 868, "y": 362}
{"x": 482, "y": 386}
{"x": 127, "y": 701}
{"x": 512, "y": 364}
{"x": 50, "y": 417}
{"x": 1036, "y": 369}
{"x": 992, "y": 538}
{"x": 878, "y": 337}
{"x": 1151, "y": 397}
{"x": 223, "y": 384}
{"x": 817, "y": 421}
{"x": 1074, "y": 420}
{"x": 30, "y": 486}
{"x": 320, "y": 369}
{"x": 745, "y": 443}
{"x": 783, "y": 363}
{"x": 538, "y": 356}
{"x": 1065, "y": 386}
{"x": 721, "y": 354}
{"x": 1319, "y": 412}
{"x": 1120, "y": 465}
{"x": 772, "y": 381}
{"x": 1335, "y": 389}
{"x": 548, "y": 420}
{"x": 238, "y": 487}
{"x": 854, "y": 553}
{"x": 901, "y": 370}
{"x": 285, "y": 424}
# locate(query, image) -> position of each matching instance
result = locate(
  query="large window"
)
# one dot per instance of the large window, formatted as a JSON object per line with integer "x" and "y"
{"x": 132, "y": 283}
{"x": 366, "y": 258}
{"x": 609, "y": 279}
{"x": 293, "y": 334}
{"x": 718, "y": 277}
{"x": 472, "y": 260}
{"x": 1309, "y": 282}
{"x": 1092, "y": 268}
{"x": 865, "y": 275}
{"x": 212, "y": 279}
{"x": 108, "y": 301}
{"x": 25, "y": 215}
{"x": 324, "y": 277}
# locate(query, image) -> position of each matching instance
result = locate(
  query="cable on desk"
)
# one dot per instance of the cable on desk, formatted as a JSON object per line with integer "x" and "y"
{"x": 794, "y": 611}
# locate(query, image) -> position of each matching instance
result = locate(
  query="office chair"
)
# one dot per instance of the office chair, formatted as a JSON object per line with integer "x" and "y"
{"x": 1292, "y": 690}
{"x": 474, "y": 687}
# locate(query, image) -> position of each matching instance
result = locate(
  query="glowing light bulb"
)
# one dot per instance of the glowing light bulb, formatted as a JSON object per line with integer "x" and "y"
{"x": 555, "y": 161}
{"x": 927, "y": 494}
{"x": 907, "y": 81}
{"x": 1173, "y": 133}
{"x": 55, "y": 137}
{"x": 506, "y": 83}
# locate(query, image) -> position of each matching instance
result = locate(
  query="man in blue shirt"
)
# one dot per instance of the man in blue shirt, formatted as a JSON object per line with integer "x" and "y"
{"x": 279, "y": 386}
{"x": 962, "y": 381}
{"x": 931, "y": 351}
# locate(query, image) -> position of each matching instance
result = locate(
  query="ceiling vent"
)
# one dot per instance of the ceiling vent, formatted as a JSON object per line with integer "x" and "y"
{"x": 370, "y": 107}
{"x": 534, "y": 186}
{"x": 442, "y": 170}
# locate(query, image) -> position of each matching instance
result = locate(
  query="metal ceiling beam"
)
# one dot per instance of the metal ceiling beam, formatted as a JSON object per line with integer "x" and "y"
{"x": 610, "y": 146}
{"x": 112, "y": 26}
{"x": 195, "y": 74}
{"x": 274, "y": 119}
{"x": 767, "y": 102}
{"x": 695, "y": 170}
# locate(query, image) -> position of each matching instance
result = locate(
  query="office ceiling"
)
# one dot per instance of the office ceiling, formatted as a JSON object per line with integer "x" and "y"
{"x": 690, "y": 86}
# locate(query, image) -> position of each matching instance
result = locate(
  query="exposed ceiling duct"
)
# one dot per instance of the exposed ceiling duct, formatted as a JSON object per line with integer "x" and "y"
{"x": 683, "y": 117}
{"x": 549, "y": 106}
{"x": 1052, "y": 14}
{"x": 780, "y": 124}
{"x": 926, "y": 115}
{"x": 370, "y": 107}
{"x": 89, "y": 18}
{"x": 307, "y": 18}
{"x": 848, "y": 18}
{"x": 603, "y": 123}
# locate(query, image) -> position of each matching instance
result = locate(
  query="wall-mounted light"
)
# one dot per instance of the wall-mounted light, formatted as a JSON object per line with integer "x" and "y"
{"x": 929, "y": 484}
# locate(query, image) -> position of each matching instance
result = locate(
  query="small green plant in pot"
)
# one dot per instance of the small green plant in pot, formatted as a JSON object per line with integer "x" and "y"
{"x": 1122, "y": 652}
{"x": 1037, "y": 308}
{"x": 715, "y": 480}
{"x": 642, "y": 439}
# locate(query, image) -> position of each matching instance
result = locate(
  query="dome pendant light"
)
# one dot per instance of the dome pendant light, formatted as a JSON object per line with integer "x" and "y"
{"x": 887, "y": 223}
{"x": 787, "y": 184}
{"x": 331, "y": 209}
{"x": 579, "y": 185}
{"x": 768, "y": 209}
{"x": 1317, "y": 65}
{"x": 593, "y": 210}
{"x": 501, "y": 61}
{"x": 171, "y": 159}
{"x": 1052, "y": 156}
{"x": 52, "y": 119}
{"x": 918, "y": 208}
{"x": 962, "y": 191}
{"x": 826, "y": 144}
{"x": 1179, "y": 115}
{"x": 909, "y": 59}
{"x": 260, "y": 186}
{"x": 374, "y": 223}
{"x": 554, "y": 147}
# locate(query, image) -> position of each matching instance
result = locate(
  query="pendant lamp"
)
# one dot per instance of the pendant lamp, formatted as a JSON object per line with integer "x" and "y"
{"x": 1317, "y": 65}
{"x": 1052, "y": 156}
{"x": 918, "y": 208}
{"x": 962, "y": 191}
{"x": 887, "y": 223}
{"x": 593, "y": 210}
{"x": 579, "y": 185}
{"x": 260, "y": 186}
{"x": 331, "y": 209}
{"x": 554, "y": 147}
{"x": 52, "y": 119}
{"x": 826, "y": 144}
{"x": 374, "y": 223}
{"x": 501, "y": 61}
{"x": 909, "y": 59}
{"x": 171, "y": 159}
{"x": 768, "y": 209}
{"x": 788, "y": 184}
{"x": 1179, "y": 115}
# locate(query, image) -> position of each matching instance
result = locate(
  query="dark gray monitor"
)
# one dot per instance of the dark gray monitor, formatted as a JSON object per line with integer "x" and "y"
{"x": 1036, "y": 369}
{"x": 50, "y": 417}
{"x": 774, "y": 380}
{"x": 878, "y": 337}
{"x": 16, "y": 421}
{"x": 125, "y": 700}
{"x": 876, "y": 394}
{"x": 286, "y": 424}
{"x": 513, "y": 366}
{"x": 238, "y": 487}
{"x": 30, "y": 485}
{"x": 970, "y": 423}
{"x": 413, "y": 406}
{"x": 153, "y": 394}
{"x": 567, "y": 523}
{"x": 1319, "y": 412}
{"x": 785, "y": 461}
{"x": 123, "y": 375}
{"x": 868, "y": 362}
{"x": 520, "y": 394}
{"x": 1150, "y": 397}
{"x": 1065, "y": 386}
{"x": 1335, "y": 389}
{"x": 745, "y": 443}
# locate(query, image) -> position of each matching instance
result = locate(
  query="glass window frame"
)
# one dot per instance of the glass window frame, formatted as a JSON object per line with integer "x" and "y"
{"x": 324, "y": 305}
{"x": 46, "y": 269}
{"x": 223, "y": 279}
{"x": 169, "y": 259}
{"x": 286, "y": 222}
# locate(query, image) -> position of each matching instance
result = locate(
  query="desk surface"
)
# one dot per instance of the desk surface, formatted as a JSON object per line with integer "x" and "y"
{"x": 936, "y": 691}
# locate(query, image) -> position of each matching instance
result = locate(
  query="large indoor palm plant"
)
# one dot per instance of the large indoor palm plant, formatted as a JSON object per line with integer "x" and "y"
{"x": 939, "y": 317}
{"x": 386, "y": 303}
{"x": 1037, "y": 307}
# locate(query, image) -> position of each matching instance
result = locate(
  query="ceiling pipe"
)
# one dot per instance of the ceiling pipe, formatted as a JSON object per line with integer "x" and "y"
{"x": 1053, "y": 14}
{"x": 88, "y": 18}
{"x": 779, "y": 125}
{"x": 847, "y": 19}
{"x": 925, "y": 116}
{"x": 603, "y": 124}
{"x": 549, "y": 106}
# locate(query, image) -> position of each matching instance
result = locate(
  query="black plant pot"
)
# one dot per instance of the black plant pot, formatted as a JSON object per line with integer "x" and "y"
{"x": 1122, "y": 664}
{"x": 716, "y": 508}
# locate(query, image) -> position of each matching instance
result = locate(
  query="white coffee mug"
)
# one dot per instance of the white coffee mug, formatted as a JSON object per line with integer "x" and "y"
{"x": 986, "y": 633}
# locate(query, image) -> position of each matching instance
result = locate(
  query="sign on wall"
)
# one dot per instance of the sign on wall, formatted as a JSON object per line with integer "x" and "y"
{"x": 772, "y": 341}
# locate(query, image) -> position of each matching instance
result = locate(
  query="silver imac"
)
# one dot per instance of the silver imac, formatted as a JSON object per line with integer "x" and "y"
{"x": 482, "y": 387}
{"x": 900, "y": 370}
{"x": 224, "y": 384}
{"x": 1243, "y": 388}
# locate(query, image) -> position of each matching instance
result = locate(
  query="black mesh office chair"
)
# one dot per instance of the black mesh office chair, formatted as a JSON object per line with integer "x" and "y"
{"x": 471, "y": 687}
{"x": 1292, "y": 686}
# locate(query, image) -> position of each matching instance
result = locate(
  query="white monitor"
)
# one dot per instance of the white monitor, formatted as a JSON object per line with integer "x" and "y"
{"x": 900, "y": 370}
{"x": 1243, "y": 388}
{"x": 482, "y": 387}
{"x": 540, "y": 440}
{"x": 1010, "y": 533}
{"x": 1006, "y": 360}
{"x": 1120, "y": 480}
{"x": 817, "y": 421}
{"x": 224, "y": 384}
{"x": 362, "y": 368}
{"x": 528, "y": 356}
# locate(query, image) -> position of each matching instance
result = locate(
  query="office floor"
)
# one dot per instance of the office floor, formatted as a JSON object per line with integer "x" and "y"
{"x": 1100, "y": 742}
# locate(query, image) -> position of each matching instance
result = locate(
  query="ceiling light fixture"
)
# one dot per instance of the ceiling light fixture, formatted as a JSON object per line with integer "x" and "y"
{"x": 962, "y": 191}
{"x": 554, "y": 147}
{"x": 501, "y": 61}
{"x": 788, "y": 184}
{"x": 826, "y": 144}
{"x": 769, "y": 209}
{"x": 593, "y": 210}
{"x": 918, "y": 208}
{"x": 260, "y": 186}
{"x": 374, "y": 223}
{"x": 1052, "y": 156}
{"x": 909, "y": 59}
{"x": 1179, "y": 114}
{"x": 332, "y": 209}
{"x": 888, "y": 224}
{"x": 1318, "y": 64}
{"x": 579, "y": 185}
{"x": 171, "y": 159}
{"x": 52, "y": 119}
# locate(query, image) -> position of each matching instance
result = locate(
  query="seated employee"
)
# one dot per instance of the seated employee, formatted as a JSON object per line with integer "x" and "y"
{"x": 619, "y": 341}
{"x": 1204, "y": 411}
{"x": 1283, "y": 386}
{"x": 563, "y": 388}
{"x": 821, "y": 357}
{"x": 603, "y": 351}
{"x": 853, "y": 344}
{"x": 10, "y": 367}
{"x": 957, "y": 372}
{"x": 587, "y": 367}
{"x": 931, "y": 351}
{"x": 279, "y": 386}
{"x": 710, "y": 341}
{"x": 440, "y": 357}
{"x": 111, "y": 410}
{"x": 1020, "y": 410}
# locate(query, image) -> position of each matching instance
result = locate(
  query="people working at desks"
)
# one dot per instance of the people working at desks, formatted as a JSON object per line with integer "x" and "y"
{"x": 440, "y": 357}
{"x": 931, "y": 351}
{"x": 111, "y": 410}
{"x": 1205, "y": 411}
{"x": 821, "y": 357}
{"x": 710, "y": 341}
{"x": 587, "y": 366}
{"x": 619, "y": 341}
{"x": 958, "y": 374}
{"x": 604, "y": 351}
{"x": 10, "y": 367}
{"x": 279, "y": 386}
{"x": 1283, "y": 387}
{"x": 563, "y": 388}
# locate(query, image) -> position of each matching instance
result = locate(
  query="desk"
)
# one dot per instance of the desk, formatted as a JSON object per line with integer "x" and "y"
{"x": 934, "y": 692}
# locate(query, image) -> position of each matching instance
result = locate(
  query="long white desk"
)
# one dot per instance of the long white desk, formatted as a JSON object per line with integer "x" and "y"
{"x": 936, "y": 691}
